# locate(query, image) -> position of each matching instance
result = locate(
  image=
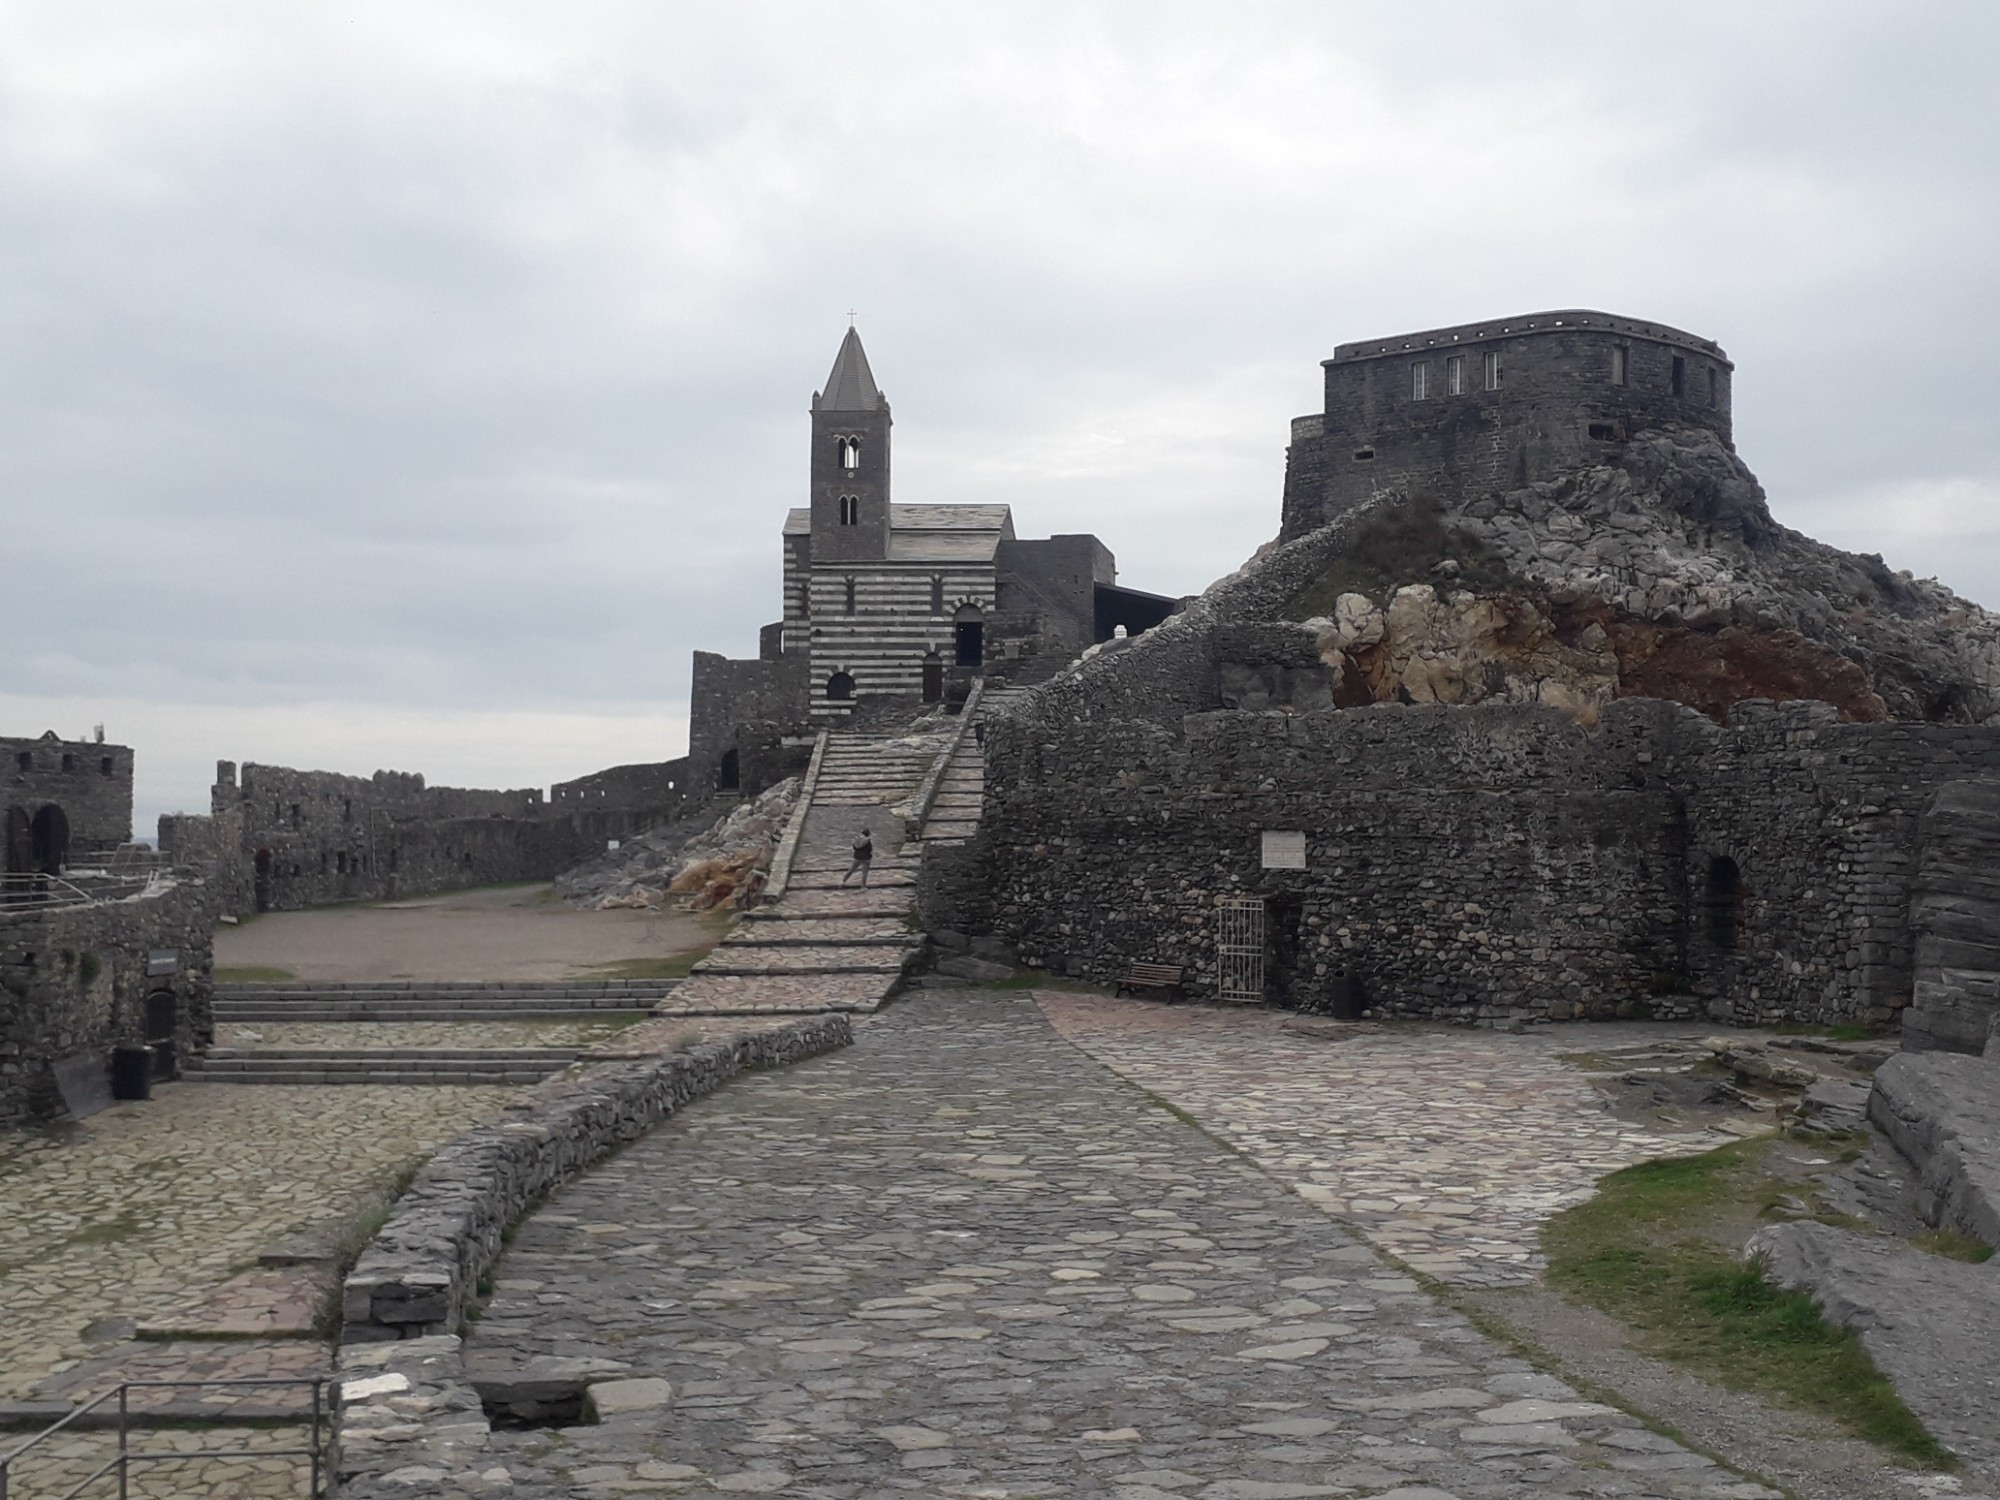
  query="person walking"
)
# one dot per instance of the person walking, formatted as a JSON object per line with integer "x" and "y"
{"x": 864, "y": 851}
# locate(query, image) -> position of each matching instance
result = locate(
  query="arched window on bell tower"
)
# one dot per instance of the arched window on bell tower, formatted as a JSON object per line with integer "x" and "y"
{"x": 850, "y": 453}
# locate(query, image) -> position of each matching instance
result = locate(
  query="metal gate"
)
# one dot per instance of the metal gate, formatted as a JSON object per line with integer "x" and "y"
{"x": 1239, "y": 951}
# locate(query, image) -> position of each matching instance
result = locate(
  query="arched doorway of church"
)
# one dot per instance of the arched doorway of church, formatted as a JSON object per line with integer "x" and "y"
{"x": 840, "y": 688}
{"x": 968, "y": 631}
{"x": 49, "y": 836}
{"x": 933, "y": 677}
{"x": 20, "y": 842}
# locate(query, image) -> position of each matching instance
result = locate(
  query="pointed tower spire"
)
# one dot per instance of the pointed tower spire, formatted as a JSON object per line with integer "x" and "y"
{"x": 851, "y": 385}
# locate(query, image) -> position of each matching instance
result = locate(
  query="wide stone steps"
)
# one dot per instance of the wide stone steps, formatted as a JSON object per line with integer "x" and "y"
{"x": 412, "y": 1000}
{"x": 379, "y": 1065}
{"x": 777, "y": 994}
{"x": 782, "y": 958}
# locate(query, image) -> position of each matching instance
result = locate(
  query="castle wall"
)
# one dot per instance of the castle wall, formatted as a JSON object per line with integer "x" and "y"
{"x": 281, "y": 839}
{"x": 727, "y": 696}
{"x": 91, "y": 783}
{"x": 621, "y": 801}
{"x": 1470, "y": 863}
{"x": 1559, "y": 402}
{"x": 75, "y": 980}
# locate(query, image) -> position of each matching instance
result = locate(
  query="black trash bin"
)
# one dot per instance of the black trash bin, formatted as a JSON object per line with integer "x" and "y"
{"x": 131, "y": 1072}
{"x": 1349, "y": 999}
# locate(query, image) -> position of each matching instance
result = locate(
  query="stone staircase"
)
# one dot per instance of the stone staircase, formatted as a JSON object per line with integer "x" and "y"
{"x": 408, "y": 1000}
{"x": 822, "y": 945}
{"x": 378, "y": 1065}
{"x": 954, "y": 812}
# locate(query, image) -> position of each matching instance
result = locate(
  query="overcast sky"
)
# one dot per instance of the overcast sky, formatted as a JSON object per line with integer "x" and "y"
{"x": 415, "y": 384}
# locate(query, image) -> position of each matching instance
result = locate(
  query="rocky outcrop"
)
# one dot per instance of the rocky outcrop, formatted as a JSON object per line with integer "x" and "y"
{"x": 1661, "y": 576}
{"x": 1942, "y": 1111}
{"x": 1931, "y": 1325}
{"x": 702, "y": 871}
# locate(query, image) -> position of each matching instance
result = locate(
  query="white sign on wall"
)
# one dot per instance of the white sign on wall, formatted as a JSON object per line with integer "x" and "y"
{"x": 1284, "y": 850}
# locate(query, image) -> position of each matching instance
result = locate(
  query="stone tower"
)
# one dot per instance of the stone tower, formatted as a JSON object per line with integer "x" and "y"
{"x": 850, "y": 462}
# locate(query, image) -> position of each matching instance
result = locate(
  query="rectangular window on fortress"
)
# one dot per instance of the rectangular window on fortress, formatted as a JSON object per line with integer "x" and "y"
{"x": 1618, "y": 353}
{"x": 1679, "y": 381}
{"x": 1454, "y": 375}
{"x": 1714, "y": 386}
{"x": 1493, "y": 371}
{"x": 1420, "y": 380}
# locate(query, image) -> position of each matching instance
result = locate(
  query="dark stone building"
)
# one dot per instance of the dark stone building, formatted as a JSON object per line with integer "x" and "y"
{"x": 64, "y": 801}
{"x": 1494, "y": 405}
{"x": 891, "y": 606}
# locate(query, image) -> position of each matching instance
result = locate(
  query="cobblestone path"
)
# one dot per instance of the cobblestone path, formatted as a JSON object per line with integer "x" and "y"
{"x": 962, "y": 1259}
{"x": 143, "y": 1208}
{"x": 1447, "y": 1147}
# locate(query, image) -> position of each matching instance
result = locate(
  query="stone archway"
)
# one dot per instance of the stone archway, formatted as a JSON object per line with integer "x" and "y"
{"x": 968, "y": 633}
{"x": 49, "y": 837}
{"x": 840, "y": 687}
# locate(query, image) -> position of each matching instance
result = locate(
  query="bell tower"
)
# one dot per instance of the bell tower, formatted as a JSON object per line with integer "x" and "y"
{"x": 850, "y": 462}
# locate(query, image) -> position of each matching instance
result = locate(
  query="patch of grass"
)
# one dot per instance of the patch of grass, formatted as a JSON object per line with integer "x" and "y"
{"x": 107, "y": 1231}
{"x": 253, "y": 974}
{"x": 1589, "y": 1062}
{"x": 1638, "y": 1252}
{"x": 673, "y": 966}
{"x": 1953, "y": 1246}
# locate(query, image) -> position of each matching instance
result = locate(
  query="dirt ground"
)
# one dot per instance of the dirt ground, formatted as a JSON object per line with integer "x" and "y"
{"x": 498, "y": 932}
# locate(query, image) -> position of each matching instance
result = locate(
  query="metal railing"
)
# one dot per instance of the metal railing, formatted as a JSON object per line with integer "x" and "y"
{"x": 121, "y": 1462}
{"x": 74, "y": 888}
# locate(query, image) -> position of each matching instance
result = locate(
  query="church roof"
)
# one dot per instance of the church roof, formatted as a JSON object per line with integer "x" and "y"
{"x": 851, "y": 385}
{"x": 933, "y": 533}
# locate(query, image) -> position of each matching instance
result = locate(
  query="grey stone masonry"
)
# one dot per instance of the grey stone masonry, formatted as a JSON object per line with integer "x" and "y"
{"x": 418, "y": 1274}
{"x": 1956, "y": 920}
{"x": 62, "y": 800}
{"x": 1942, "y": 1111}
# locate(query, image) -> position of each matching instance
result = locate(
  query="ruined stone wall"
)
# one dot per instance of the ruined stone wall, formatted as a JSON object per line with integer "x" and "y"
{"x": 727, "y": 695}
{"x": 621, "y": 801}
{"x": 74, "y": 980}
{"x": 1568, "y": 388}
{"x": 280, "y": 839}
{"x": 90, "y": 782}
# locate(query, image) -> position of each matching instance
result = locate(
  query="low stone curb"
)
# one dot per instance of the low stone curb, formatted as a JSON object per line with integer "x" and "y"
{"x": 407, "y": 1419}
{"x": 417, "y": 1274}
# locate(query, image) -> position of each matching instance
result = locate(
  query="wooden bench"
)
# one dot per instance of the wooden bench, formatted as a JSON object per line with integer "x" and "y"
{"x": 1143, "y": 976}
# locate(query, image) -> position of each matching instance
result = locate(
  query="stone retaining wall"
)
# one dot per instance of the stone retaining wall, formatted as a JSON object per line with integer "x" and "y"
{"x": 422, "y": 1269}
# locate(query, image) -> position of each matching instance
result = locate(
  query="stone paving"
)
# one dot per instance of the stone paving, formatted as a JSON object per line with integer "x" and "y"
{"x": 960, "y": 1258}
{"x": 1445, "y": 1146}
{"x": 352, "y": 1034}
{"x": 60, "y": 1465}
{"x": 145, "y": 1208}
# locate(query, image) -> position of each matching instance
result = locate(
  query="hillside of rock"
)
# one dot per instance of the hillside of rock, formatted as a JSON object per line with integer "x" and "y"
{"x": 1662, "y": 575}
{"x": 697, "y": 871}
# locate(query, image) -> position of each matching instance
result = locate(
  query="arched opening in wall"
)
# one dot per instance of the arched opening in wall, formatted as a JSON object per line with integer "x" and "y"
{"x": 933, "y": 677}
{"x": 20, "y": 842}
{"x": 162, "y": 1021}
{"x": 263, "y": 885}
{"x": 48, "y": 836}
{"x": 850, "y": 453}
{"x": 968, "y": 633}
{"x": 840, "y": 688}
{"x": 1724, "y": 903}
{"x": 729, "y": 774}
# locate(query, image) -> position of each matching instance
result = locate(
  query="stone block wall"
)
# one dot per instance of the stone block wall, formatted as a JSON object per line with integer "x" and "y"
{"x": 728, "y": 694}
{"x": 87, "y": 783}
{"x": 76, "y": 980}
{"x": 623, "y": 800}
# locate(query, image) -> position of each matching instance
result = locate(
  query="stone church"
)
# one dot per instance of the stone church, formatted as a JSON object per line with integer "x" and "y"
{"x": 888, "y": 607}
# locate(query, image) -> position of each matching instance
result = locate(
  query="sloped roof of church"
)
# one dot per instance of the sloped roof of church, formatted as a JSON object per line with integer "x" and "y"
{"x": 933, "y": 533}
{"x": 851, "y": 385}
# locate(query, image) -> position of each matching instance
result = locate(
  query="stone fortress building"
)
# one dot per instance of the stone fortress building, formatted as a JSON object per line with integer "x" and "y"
{"x": 1496, "y": 405}
{"x": 1533, "y": 711}
{"x": 64, "y": 801}
{"x": 888, "y": 606}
